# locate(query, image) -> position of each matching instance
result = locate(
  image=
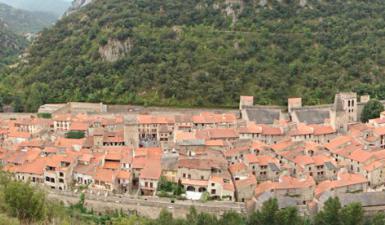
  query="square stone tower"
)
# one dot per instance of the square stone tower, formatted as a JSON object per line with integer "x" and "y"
{"x": 131, "y": 133}
{"x": 349, "y": 103}
{"x": 246, "y": 101}
{"x": 293, "y": 103}
{"x": 344, "y": 110}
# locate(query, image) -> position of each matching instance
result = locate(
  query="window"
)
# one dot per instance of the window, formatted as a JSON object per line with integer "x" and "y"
{"x": 151, "y": 185}
{"x": 46, "y": 178}
{"x": 61, "y": 174}
{"x": 61, "y": 180}
{"x": 212, "y": 184}
{"x": 202, "y": 177}
{"x": 184, "y": 175}
{"x": 146, "y": 184}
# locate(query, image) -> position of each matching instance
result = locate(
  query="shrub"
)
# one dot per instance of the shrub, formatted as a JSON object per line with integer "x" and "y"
{"x": 75, "y": 134}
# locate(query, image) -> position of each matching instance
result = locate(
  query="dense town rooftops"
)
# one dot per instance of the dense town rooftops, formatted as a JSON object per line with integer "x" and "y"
{"x": 220, "y": 154}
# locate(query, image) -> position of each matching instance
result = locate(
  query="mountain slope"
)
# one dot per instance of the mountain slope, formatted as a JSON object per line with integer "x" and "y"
{"x": 206, "y": 52}
{"x": 11, "y": 45}
{"x": 21, "y": 21}
{"x": 56, "y": 7}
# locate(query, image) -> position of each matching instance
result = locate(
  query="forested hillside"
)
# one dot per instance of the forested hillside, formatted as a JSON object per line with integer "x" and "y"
{"x": 205, "y": 53}
{"x": 11, "y": 45}
{"x": 21, "y": 21}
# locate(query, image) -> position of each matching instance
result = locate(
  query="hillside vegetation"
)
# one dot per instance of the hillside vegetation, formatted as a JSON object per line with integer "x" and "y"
{"x": 204, "y": 53}
{"x": 11, "y": 45}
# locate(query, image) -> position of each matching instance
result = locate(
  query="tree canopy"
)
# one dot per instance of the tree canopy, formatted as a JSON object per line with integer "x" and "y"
{"x": 371, "y": 110}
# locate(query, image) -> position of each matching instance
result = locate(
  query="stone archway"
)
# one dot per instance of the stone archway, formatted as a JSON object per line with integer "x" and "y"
{"x": 202, "y": 189}
{"x": 190, "y": 188}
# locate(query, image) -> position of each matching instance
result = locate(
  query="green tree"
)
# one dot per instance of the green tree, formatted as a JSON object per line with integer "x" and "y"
{"x": 25, "y": 202}
{"x": 165, "y": 218}
{"x": 267, "y": 215}
{"x": 6, "y": 220}
{"x": 131, "y": 220}
{"x": 269, "y": 212}
{"x": 352, "y": 214}
{"x": 36, "y": 96}
{"x": 330, "y": 214}
{"x": 231, "y": 218}
{"x": 371, "y": 110}
{"x": 289, "y": 216}
{"x": 378, "y": 219}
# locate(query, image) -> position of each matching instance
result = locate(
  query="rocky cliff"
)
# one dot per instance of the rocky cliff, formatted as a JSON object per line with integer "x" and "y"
{"x": 76, "y": 5}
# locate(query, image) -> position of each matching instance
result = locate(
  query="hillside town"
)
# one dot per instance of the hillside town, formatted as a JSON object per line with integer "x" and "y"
{"x": 301, "y": 155}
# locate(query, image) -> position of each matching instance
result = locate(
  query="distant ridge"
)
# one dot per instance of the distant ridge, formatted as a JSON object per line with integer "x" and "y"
{"x": 22, "y": 21}
{"x": 56, "y": 7}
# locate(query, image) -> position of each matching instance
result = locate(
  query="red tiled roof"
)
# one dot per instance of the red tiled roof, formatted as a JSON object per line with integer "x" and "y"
{"x": 79, "y": 126}
{"x": 212, "y": 118}
{"x": 123, "y": 174}
{"x": 237, "y": 150}
{"x": 344, "y": 179}
{"x": 260, "y": 160}
{"x": 251, "y": 128}
{"x": 149, "y": 119}
{"x": 222, "y": 133}
{"x": 35, "y": 167}
{"x": 302, "y": 130}
{"x": 379, "y": 131}
{"x": 202, "y": 164}
{"x": 111, "y": 165}
{"x": 272, "y": 131}
{"x": 219, "y": 143}
{"x": 201, "y": 183}
{"x": 69, "y": 143}
{"x": 152, "y": 170}
{"x": 323, "y": 129}
{"x": 249, "y": 181}
{"x": 237, "y": 167}
{"x": 360, "y": 155}
{"x": 104, "y": 175}
{"x": 374, "y": 165}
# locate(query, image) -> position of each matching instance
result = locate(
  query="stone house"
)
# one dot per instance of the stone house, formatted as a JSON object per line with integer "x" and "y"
{"x": 58, "y": 171}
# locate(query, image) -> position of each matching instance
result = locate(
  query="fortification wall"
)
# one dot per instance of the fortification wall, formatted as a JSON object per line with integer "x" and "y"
{"x": 86, "y": 107}
{"x": 6, "y": 116}
{"x": 149, "y": 207}
{"x": 164, "y": 110}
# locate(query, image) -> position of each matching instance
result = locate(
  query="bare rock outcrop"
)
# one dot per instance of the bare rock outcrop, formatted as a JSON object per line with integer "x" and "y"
{"x": 115, "y": 49}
